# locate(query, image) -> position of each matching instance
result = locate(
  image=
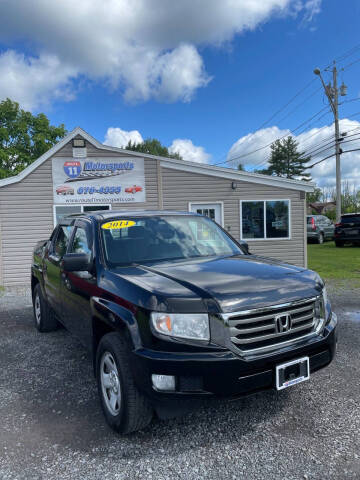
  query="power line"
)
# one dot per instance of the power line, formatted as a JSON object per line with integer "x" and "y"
{"x": 237, "y": 157}
{"x": 332, "y": 155}
{"x": 299, "y": 105}
{"x": 317, "y": 148}
{"x": 287, "y": 104}
{"x": 348, "y": 53}
{"x": 264, "y": 162}
{"x": 350, "y": 64}
{"x": 341, "y": 58}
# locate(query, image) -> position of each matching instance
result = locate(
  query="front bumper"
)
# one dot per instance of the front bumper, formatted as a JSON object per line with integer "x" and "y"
{"x": 223, "y": 373}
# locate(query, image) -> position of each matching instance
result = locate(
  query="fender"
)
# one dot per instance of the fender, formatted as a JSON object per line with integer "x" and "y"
{"x": 116, "y": 317}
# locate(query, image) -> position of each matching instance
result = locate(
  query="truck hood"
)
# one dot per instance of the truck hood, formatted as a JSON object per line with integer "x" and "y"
{"x": 223, "y": 284}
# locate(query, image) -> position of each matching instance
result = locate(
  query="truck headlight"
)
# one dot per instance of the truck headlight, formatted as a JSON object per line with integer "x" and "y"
{"x": 325, "y": 296}
{"x": 193, "y": 326}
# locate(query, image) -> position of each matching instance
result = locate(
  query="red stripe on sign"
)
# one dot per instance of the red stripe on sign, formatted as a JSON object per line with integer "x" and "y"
{"x": 72, "y": 164}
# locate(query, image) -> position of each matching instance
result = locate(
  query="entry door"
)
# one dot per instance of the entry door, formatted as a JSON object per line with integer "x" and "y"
{"x": 211, "y": 210}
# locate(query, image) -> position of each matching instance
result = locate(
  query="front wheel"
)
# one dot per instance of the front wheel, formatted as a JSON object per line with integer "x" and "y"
{"x": 125, "y": 408}
{"x": 339, "y": 244}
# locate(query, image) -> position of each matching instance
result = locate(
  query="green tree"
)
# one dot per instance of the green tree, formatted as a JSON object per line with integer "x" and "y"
{"x": 153, "y": 147}
{"x": 23, "y": 137}
{"x": 241, "y": 167}
{"x": 287, "y": 161}
{"x": 314, "y": 196}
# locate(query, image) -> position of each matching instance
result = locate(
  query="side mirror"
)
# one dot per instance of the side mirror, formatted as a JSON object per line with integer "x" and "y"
{"x": 245, "y": 247}
{"x": 76, "y": 262}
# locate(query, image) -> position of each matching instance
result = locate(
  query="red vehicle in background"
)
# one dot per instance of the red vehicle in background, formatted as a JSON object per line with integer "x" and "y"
{"x": 133, "y": 189}
{"x": 64, "y": 190}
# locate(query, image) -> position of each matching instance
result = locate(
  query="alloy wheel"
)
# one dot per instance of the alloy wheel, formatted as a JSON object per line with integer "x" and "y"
{"x": 110, "y": 383}
{"x": 37, "y": 306}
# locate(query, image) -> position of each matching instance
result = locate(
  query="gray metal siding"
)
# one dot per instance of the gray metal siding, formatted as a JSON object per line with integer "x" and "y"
{"x": 180, "y": 188}
{"x": 26, "y": 213}
{"x": 20, "y": 204}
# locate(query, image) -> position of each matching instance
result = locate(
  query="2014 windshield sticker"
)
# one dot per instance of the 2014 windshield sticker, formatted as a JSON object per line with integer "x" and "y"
{"x": 117, "y": 224}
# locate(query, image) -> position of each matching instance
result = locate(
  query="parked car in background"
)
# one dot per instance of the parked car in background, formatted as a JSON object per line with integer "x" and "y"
{"x": 133, "y": 189}
{"x": 320, "y": 228}
{"x": 64, "y": 190}
{"x": 348, "y": 229}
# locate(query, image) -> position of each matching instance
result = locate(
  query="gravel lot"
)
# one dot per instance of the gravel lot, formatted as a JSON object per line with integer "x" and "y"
{"x": 52, "y": 426}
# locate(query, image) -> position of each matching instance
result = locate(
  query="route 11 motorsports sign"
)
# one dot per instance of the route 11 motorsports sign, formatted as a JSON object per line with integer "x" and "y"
{"x": 98, "y": 180}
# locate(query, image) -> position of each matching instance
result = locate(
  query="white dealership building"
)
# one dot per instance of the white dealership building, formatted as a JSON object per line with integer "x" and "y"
{"x": 80, "y": 174}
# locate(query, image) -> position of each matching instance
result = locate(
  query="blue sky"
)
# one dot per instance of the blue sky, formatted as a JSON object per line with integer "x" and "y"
{"x": 204, "y": 76}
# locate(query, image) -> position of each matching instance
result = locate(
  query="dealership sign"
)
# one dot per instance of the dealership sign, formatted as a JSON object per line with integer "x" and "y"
{"x": 98, "y": 180}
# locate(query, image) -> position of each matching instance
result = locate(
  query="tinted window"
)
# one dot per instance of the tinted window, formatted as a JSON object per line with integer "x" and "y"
{"x": 350, "y": 219}
{"x": 273, "y": 214}
{"x": 277, "y": 219}
{"x": 252, "y": 219}
{"x": 80, "y": 242}
{"x": 159, "y": 238}
{"x": 62, "y": 240}
{"x": 310, "y": 220}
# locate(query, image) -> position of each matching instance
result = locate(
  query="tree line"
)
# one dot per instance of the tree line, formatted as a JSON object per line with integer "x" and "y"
{"x": 24, "y": 137}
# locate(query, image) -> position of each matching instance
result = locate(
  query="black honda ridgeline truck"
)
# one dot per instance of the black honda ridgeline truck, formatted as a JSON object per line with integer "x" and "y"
{"x": 174, "y": 310}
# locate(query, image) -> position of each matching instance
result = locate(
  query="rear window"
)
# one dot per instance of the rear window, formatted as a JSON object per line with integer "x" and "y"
{"x": 350, "y": 219}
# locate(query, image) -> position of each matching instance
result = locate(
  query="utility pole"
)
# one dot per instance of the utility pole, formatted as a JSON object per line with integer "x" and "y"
{"x": 332, "y": 94}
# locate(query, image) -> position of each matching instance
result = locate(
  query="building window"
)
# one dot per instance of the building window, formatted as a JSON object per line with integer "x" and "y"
{"x": 265, "y": 219}
{"x": 61, "y": 211}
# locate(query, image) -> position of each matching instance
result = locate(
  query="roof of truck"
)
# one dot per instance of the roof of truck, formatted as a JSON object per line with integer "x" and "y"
{"x": 104, "y": 214}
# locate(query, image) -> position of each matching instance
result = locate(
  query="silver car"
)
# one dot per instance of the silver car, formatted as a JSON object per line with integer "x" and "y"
{"x": 319, "y": 228}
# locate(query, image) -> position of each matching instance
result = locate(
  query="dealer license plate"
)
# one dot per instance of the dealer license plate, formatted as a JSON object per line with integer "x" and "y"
{"x": 293, "y": 372}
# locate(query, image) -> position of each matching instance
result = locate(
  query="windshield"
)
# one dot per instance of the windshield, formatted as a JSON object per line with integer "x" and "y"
{"x": 160, "y": 238}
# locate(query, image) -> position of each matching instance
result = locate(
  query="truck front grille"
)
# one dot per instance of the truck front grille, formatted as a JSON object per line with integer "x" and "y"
{"x": 269, "y": 328}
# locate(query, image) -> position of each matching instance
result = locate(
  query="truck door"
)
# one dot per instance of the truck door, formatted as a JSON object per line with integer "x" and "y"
{"x": 79, "y": 287}
{"x": 53, "y": 257}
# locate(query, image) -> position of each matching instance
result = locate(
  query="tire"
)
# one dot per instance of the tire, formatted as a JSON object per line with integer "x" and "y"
{"x": 339, "y": 244}
{"x": 44, "y": 317}
{"x": 125, "y": 408}
{"x": 320, "y": 238}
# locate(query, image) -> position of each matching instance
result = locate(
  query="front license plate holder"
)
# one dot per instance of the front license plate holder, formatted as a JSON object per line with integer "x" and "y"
{"x": 292, "y": 373}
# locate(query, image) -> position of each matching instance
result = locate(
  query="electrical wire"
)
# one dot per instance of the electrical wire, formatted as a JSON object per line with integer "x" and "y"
{"x": 332, "y": 155}
{"x": 287, "y": 104}
{"x": 348, "y": 53}
{"x": 351, "y": 64}
{"x": 237, "y": 157}
{"x": 264, "y": 162}
{"x": 338, "y": 59}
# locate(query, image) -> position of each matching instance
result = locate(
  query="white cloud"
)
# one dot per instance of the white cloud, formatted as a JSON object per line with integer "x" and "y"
{"x": 144, "y": 48}
{"x": 312, "y": 8}
{"x": 189, "y": 151}
{"x": 116, "y": 137}
{"x": 323, "y": 173}
{"x": 253, "y": 143}
{"x": 34, "y": 81}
